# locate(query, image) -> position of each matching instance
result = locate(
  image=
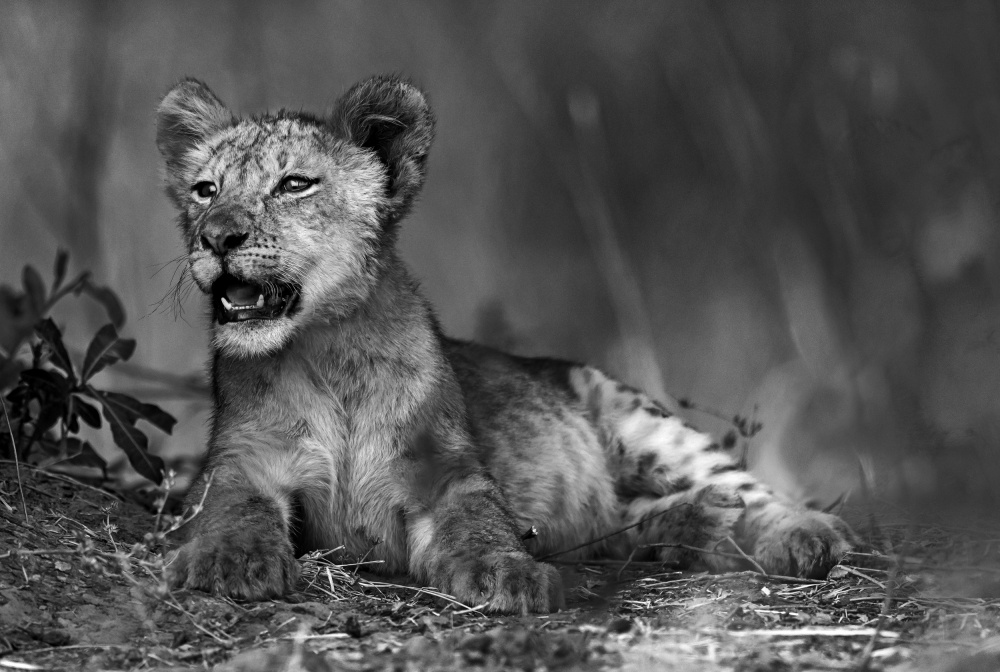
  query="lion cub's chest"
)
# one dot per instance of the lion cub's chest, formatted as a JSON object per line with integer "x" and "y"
{"x": 346, "y": 424}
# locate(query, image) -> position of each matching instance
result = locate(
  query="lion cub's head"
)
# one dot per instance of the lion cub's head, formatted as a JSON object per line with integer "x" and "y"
{"x": 288, "y": 217}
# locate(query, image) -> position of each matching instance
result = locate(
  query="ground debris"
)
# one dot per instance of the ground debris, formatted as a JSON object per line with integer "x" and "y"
{"x": 74, "y": 596}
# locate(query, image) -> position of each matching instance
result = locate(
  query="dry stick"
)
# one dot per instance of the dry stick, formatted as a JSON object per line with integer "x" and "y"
{"x": 775, "y": 577}
{"x": 616, "y": 532}
{"x": 611, "y": 561}
{"x": 229, "y": 641}
{"x": 15, "y": 522}
{"x": 195, "y": 510}
{"x": 886, "y": 607}
{"x": 379, "y": 585}
{"x": 618, "y": 577}
{"x": 168, "y": 482}
{"x": 39, "y": 551}
{"x": 71, "y": 647}
{"x": 745, "y": 556}
{"x": 815, "y": 632}
{"x": 851, "y": 570}
{"x": 68, "y": 479}
{"x": 17, "y": 462}
{"x": 10, "y": 509}
{"x": 706, "y": 551}
{"x": 866, "y": 657}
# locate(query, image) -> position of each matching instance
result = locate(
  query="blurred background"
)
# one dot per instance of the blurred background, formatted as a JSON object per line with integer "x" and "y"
{"x": 782, "y": 211}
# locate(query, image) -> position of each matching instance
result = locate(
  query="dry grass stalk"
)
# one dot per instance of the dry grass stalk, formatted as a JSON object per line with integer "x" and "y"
{"x": 17, "y": 462}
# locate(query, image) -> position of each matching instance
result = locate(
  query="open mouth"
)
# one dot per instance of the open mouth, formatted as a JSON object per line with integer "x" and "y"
{"x": 236, "y": 300}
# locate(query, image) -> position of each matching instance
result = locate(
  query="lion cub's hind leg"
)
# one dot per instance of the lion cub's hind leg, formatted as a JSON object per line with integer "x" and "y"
{"x": 691, "y": 530}
{"x": 687, "y": 493}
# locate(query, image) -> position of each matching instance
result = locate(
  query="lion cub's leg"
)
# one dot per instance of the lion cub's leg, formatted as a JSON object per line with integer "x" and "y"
{"x": 671, "y": 528}
{"x": 238, "y": 545}
{"x": 466, "y": 544}
{"x": 692, "y": 493}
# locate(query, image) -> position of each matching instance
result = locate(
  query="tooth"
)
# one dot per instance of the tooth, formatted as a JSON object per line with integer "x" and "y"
{"x": 260, "y": 301}
{"x": 226, "y": 304}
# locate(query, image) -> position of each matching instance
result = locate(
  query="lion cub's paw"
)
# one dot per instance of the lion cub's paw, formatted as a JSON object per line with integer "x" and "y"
{"x": 243, "y": 564}
{"x": 803, "y": 543}
{"x": 507, "y": 582}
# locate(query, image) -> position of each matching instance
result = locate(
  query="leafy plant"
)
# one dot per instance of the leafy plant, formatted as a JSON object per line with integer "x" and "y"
{"x": 47, "y": 397}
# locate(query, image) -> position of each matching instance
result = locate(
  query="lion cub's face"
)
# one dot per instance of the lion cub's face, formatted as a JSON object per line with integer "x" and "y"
{"x": 287, "y": 217}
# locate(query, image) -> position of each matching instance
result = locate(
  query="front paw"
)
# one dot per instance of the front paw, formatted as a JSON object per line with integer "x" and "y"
{"x": 795, "y": 542}
{"x": 508, "y": 582}
{"x": 242, "y": 563}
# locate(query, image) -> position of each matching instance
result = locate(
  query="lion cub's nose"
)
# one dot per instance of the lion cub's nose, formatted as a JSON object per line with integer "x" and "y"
{"x": 223, "y": 243}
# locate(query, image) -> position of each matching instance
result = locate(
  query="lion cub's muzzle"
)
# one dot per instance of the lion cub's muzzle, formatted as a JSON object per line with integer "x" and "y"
{"x": 239, "y": 300}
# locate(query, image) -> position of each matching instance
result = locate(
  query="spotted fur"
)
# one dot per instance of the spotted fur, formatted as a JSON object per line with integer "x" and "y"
{"x": 354, "y": 422}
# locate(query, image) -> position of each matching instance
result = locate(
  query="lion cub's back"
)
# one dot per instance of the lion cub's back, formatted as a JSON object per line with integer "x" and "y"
{"x": 537, "y": 439}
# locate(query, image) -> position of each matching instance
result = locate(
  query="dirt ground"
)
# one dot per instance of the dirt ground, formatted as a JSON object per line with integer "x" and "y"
{"x": 80, "y": 589}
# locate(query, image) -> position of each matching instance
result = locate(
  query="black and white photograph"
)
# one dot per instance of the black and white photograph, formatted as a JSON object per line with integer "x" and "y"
{"x": 543, "y": 335}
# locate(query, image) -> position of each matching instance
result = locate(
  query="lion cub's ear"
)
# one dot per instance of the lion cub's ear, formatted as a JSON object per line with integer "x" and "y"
{"x": 389, "y": 116}
{"x": 187, "y": 115}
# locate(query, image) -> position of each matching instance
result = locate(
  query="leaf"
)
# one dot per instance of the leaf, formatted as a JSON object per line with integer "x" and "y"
{"x": 132, "y": 409}
{"x": 20, "y": 395}
{"x": 105, "y": 349}
{"x": 49, "y": 332}
{"x": 34, "y": 286}
{"x": 86, "y": 412}
{"x": 51, "y": 389}
{"x": 76, "y": 285}
{"x": 81, "y": 453}
{"x": 62, "y": 261}
{"x": 47, "y": 384}
{"x": 133, "y": 442}
{"x": 107, "y": 298}
{"x": 48, "y": 416}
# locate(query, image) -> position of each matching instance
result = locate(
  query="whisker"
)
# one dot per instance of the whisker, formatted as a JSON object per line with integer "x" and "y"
{"x": 159, "y": 267}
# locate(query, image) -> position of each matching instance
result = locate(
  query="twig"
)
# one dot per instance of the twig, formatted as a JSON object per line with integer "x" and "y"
{"x": 360, "y": 563}
{"x": 706, "y": 551}
{"x": 745, "y": 556}
{"x": 778, "y": 578}
{"x": 229, "y": 641}
{"x": 616, "y": 532}
{"x": 353, "y": 579}
{"x": 761, "y": 575}
{"x": 874, "y": 633}
{"x": 618, "y": 576}
{"x": 469, "y": 610}
{"x": 611, "y": 561}
{"x": 42, "y": 551}
{"x": 68, "y": 479}
{"x": 890, "y": 590}
{"x": 17, "y": 462}
{"x": 70, "y": 647}
{"x": 195, "y": 510}
{"x": 851, "y": 570}
{"x": 18, "y": 665}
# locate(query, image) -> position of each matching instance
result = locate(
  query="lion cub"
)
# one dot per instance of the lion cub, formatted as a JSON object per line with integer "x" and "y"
{"x": 343, "y": 416}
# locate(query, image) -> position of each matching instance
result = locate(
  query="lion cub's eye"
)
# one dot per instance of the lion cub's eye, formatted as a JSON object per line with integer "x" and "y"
{"x": 293, "y": 184}
{"x": 204, "y": 191}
